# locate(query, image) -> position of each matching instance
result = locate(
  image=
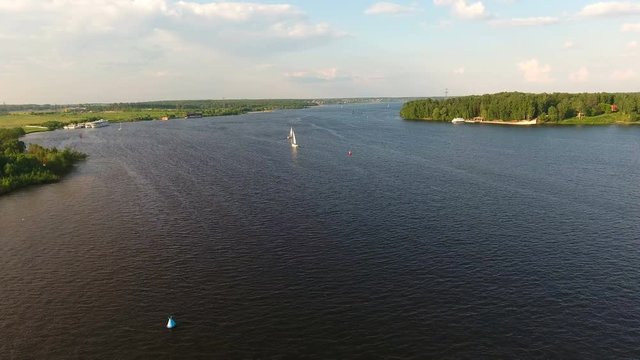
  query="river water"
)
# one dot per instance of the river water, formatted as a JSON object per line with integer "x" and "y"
{"x": 431, "y": 240}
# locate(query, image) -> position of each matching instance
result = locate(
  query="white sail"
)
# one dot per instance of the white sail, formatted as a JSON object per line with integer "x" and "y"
{"x": 290, "y": 133}
{"x": 171, "y": 323}
{"x": 294, "y": 143}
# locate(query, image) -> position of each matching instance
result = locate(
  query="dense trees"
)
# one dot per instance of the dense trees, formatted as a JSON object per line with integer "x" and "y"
{"x": 553, "y": 107}
{"x": 207, "y": 107}
{"x": 10, "y": 134}
{"x": 22, "y": 166}
{"x": 53, "y": 125}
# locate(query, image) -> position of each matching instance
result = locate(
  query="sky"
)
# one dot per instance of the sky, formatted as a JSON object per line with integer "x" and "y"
{"x": 102, "y": 51}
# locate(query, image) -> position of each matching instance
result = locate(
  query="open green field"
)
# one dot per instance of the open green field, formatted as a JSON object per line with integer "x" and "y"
{"x": 55, "y": 116}
{"x": 22, "y": 119}
{"x": 604, "y": 119}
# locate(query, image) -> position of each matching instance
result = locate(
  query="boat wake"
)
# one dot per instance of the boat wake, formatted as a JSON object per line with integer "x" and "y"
{"x": 330, "y": 131}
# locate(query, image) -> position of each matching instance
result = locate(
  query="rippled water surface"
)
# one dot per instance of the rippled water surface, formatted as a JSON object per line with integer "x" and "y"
{"x": 430, "y": 241}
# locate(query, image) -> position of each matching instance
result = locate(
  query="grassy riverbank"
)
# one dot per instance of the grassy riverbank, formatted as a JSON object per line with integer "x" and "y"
{"x": 22, "y": 166}
{"x": 604, "y": 119}
{"x": 51, "y": 117}
{"x": 30, "y": 121}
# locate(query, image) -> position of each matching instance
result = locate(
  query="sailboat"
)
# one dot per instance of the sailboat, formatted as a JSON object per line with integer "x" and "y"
{"x": 294, "y": 143}
{"x": 120, "y": 128}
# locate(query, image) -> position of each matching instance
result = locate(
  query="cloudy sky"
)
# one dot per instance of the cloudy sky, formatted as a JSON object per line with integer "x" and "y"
{"x": 75, "y": 51}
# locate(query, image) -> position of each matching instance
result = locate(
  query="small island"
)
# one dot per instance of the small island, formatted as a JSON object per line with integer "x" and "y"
{"x": 515, "y": 108}
{"x": 21, "y": 166}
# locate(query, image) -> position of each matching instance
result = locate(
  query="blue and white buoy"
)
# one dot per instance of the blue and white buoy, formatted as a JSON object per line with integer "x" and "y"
{"x": 171, "y": 323}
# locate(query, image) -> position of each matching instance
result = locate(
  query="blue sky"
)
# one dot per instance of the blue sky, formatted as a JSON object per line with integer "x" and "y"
{"x": 76, "y": 51}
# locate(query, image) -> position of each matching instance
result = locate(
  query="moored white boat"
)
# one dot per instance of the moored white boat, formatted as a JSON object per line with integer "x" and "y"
{"x": 97, "y": 123}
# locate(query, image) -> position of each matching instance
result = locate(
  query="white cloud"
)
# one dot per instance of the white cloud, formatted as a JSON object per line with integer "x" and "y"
{"x": 234, "y": 11}
{"x": 630, "y": 28}
{"x": 463, "y": 9}
{"x": 439, "y": 25}
{"x": 613, "y": 8}
{"x": 264, "y": 66}
{"x": 42, "y": 19}
{"x": 534, "y": 72}
{"x": 304, "y": 30}
{"x": 243, "y": 24}
{"x": 160, "y": 73}
{"x": 459, "y": 71}
{"x": 118, "y": 43}
{"x": 580, "y": 75}
{"x": 327, "y": 74}
{"x": 568, "y": 44}
{"x": 531, "y": 21}
{"x": 389, "y": 8}
{"x": 622, "y": 75}
{"x": 319, "y": 75}
{"x": 631, "y": 50}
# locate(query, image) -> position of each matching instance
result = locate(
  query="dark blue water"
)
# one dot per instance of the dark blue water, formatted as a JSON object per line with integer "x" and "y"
{"x": 432, "y": 240}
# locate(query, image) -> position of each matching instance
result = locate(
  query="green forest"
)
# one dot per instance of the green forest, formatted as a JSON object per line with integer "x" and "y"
{"x": 547, "y": 108}
{"x": 22, "y": 166}
{"x": 240, "y": 105}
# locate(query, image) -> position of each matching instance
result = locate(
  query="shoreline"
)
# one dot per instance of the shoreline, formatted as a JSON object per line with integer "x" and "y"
{"x": 501, "y": 122}
{"x": 530, "y": 122}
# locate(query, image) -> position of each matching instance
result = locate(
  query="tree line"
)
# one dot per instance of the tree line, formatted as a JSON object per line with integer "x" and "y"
{"x": 22, "y": 165}
{"x": 553, "y": 107}
{"x": 240, "y": 105}
{"x": 208, "y": 107}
